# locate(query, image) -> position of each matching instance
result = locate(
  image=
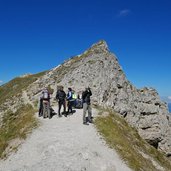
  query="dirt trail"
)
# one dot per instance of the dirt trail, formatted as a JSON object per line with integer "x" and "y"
{"x": 64, "y": 144}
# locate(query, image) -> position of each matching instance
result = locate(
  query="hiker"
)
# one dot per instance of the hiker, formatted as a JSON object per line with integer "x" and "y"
{"x": 70, "y": 100}
{"x": 44, "y": 96}
{"x": 61, "y": 98}
{"x": 87, "y": 105}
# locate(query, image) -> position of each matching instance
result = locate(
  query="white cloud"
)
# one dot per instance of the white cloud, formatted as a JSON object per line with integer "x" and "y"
{"x": 1, "y": 81}
{"x": 169, "y": 97}
{"x": 123, "y": 13}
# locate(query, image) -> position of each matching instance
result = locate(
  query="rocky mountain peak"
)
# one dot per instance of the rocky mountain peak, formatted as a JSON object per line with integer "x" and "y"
{"x": 99, "y": 47}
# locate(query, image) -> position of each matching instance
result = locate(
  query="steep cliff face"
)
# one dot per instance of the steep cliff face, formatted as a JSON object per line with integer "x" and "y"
{"x": 99, "y": 69}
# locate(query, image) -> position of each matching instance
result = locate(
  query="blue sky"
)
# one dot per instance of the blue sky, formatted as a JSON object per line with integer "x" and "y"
{"x": 36, "y": 35}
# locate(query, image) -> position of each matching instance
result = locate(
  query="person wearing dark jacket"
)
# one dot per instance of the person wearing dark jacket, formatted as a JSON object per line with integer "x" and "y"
{"x": 61, "y": 98}
{"x": 87, "y": 105}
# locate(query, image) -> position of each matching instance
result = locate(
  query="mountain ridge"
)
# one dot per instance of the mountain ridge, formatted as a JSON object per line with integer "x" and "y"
{"x": 99, "y": 69}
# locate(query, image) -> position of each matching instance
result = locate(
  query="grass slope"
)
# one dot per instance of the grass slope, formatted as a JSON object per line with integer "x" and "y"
{"x": 15, "y": 125}
{"x": 137, "y": 153}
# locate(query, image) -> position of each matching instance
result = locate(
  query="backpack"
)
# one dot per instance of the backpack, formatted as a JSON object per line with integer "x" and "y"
{"x": 45, "y": 95}
{"x": 61, "y": 95}
{"x": 79, "y": 104}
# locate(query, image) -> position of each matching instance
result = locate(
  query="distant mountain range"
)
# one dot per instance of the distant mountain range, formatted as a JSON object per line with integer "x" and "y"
{"x": 169, "y": 105}
{"x": 167, "y": 100}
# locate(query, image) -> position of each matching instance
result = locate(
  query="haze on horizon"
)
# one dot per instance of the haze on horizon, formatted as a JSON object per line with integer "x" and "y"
{"x": 37, "y": 35}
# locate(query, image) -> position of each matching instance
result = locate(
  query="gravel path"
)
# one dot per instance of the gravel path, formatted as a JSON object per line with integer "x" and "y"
{"x": 64, "y": 144}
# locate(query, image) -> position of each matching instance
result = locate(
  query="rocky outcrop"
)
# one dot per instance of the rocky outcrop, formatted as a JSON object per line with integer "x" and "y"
{"x": 99, "y": 69}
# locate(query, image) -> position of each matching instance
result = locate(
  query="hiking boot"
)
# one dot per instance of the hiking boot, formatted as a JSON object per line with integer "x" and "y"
{"x": 60, "y": 116}
{"x": 85, "y": 123}
{"x": 90, "y": 121}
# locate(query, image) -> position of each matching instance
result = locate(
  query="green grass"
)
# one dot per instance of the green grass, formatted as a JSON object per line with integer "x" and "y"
{"x": 16, "y": 125}
{"x": 127, "y": 142}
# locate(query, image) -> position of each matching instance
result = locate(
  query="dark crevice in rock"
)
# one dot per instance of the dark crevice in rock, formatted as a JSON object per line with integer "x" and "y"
{"x": 144, "y": 128}
{"x": 145, "y": 113}
{"x": 168, "y": 155}
{"x": 119, "y": 86}
{"x": 154, "y": 143}
{"x": 157, "y": 104}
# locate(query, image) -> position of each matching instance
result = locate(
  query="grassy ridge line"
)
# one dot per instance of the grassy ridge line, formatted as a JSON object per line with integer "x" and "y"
{"x": 16, "y": 126}
{"x": 15, "y": 86}
{"x": 137, "y": 153}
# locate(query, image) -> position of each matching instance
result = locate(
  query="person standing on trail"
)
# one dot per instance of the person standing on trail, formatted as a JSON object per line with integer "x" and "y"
{"x": 44, "y": 96}
{"x": 61, "y": 98}
{"x": 87, "y": 105}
